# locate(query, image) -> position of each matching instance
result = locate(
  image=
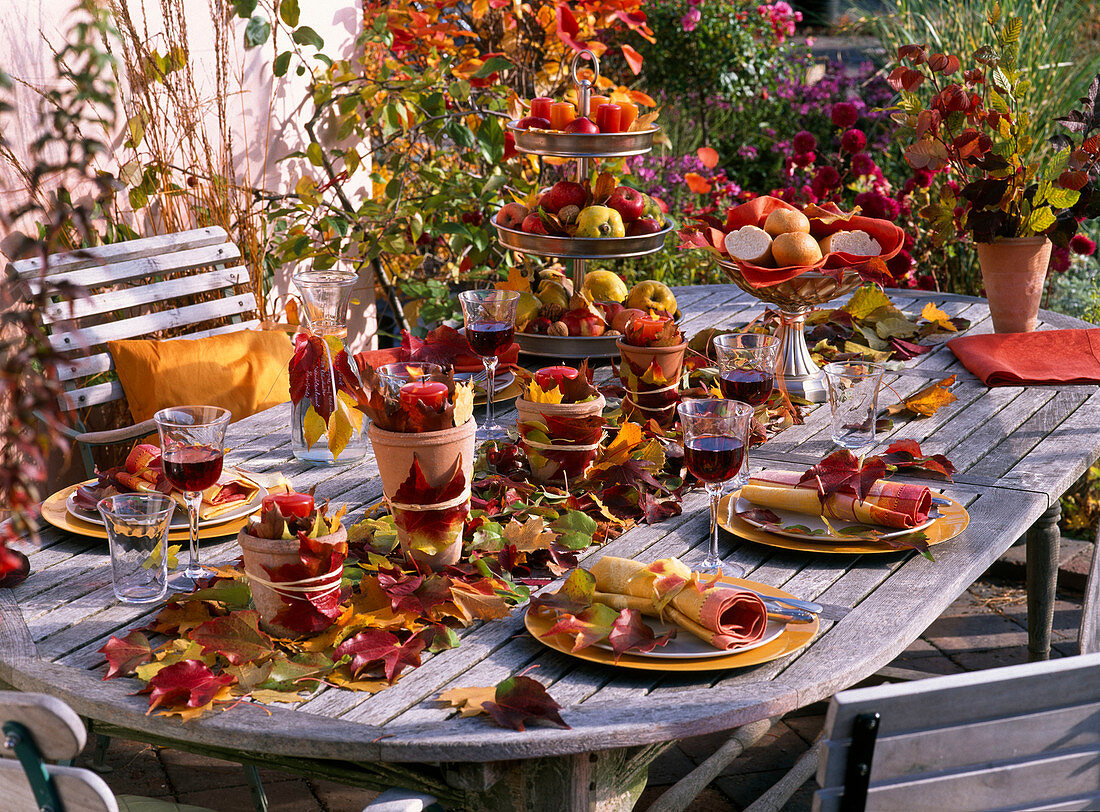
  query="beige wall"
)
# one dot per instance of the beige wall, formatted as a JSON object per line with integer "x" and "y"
{"x": 264, "y": 115}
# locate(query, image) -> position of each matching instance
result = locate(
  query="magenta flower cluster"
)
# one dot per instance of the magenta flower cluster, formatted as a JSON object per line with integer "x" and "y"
{"x": 782, "y": 18}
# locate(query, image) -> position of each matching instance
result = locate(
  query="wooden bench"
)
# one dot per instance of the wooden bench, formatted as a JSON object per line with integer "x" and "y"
{"x": 143, "y": 288}
{"x": 1021, "y": 737}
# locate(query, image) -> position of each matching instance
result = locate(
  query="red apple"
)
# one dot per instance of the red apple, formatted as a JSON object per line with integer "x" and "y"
{"x": 539, "y": 326}
{"x": 511, "y": 215}
{"x": 583, "y": 322}
{"x": 582, "y": 125}
{"x": 628, "y": 202}
{"x": 533, "y": 123}
{"x": 609, "y": 310}
{"x": 533, "y": 224}
{"x": 639, "y": 228}
{"x": 622, "y": 319}
{"x": 563, "y": 193}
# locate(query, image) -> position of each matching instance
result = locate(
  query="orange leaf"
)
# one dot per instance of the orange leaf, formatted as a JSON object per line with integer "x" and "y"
{"x": 697, "y": 183}
{"x": 633, "y": 59}
{"x": 639, "y": 97}
{"x": 709, "y": 156}
{"x": 927, "y": 401}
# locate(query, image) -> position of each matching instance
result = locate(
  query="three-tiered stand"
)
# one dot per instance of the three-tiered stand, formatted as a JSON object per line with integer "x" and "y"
{"x": 584, "y": 147}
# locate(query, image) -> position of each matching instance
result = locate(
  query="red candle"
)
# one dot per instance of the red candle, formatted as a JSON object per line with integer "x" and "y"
{"x": 432, "y": 394}
{"x": 541, "y": 107}
{"x": 647, "y": 328}
{"x": 289, "y": 504}
{"x": 549, "y": 377}
{"x": 609, "y": 118}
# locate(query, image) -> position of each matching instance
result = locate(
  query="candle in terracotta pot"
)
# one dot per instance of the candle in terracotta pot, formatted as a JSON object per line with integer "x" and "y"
{"x": 549, "y": 377}
{"x": 432, "y": 394}
{"x": 647, "y": 328}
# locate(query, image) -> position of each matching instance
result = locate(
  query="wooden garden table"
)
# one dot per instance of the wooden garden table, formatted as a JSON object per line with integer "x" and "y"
{"x": 1017, "y": 450}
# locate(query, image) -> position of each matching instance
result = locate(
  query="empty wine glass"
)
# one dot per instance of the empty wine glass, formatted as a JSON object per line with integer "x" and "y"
{"x": 192, "y": 443}
{"x": 490, "y": 326}
{"x": 746, "y": 364}
{"x": 716, "y": 435}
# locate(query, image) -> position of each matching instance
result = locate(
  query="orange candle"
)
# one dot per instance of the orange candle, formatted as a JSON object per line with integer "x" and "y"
{"x": 594, "y": 104}
{"x": 627, "y": 116}
{"x": 561, "y": 113}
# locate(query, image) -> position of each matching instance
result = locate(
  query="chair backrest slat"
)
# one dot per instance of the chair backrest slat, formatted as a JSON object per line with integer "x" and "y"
{"x": 57, "y": 729}
{"x": 1005, "y": 738}
{"x": 79, "y": 790}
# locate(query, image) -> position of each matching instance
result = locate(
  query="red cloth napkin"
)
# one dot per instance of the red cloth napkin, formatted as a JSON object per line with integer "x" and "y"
{"x": 443, "y": 346}
{"x": 1042, "y": 357}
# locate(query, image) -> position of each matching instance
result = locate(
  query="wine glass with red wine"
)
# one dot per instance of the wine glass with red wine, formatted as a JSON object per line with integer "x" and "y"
{"x": 746, "y": 372}
{"x": 716, "y": 438}
{"x": 192, "y": 443}
{"x": 490, "y": 326}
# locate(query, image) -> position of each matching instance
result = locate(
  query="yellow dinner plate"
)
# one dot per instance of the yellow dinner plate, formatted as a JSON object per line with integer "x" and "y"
{"x": 794, "y": 637}
{"x": 953, "y": 521}
{"x": 511, "y": 391}
{"x": 55, "y": 513}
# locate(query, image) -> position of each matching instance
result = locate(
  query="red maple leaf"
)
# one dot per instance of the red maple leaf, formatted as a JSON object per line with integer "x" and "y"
{"x": 906, "y": 455}
{"x": 124, "y": 655}
{"x": 521, "y": 699}
{"x": 843, "y": 472}
{"x": 575, "y": 595}
{"x": 587, "y": 627}
{"x": 311, "y": 374}
{"x": 431, "y": 526}
{"x": 630, "y": 633}
{"x": 236, "y": 636}
{"x": 314, "y": 611}
{"x": 374, "y": 646}
{"x": 190, "y": 683}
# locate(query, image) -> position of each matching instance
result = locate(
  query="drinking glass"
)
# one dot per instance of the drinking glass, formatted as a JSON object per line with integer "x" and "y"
{"x": 192, "y": 443}
{"x": 490, "y": 326}
{"x": 853, "y": 399}
{"x": 716, "y": 435}
{"x": 137, "y": 533}
{"x": 394, "y": 376}
{"x": 746, "y": 364}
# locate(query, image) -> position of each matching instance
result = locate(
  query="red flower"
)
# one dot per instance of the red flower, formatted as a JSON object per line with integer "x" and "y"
{"x": 923, "y": 178}
{"x": 804, "y": 158}
{"x": 803, "y": 142}
{"x": 1080, "y": 244}
{"x": 844, "y": 114}
{"x": 1059, "y": 259}
{"x": 853, "y": 141}
{"x": 824, "y": 181}
{"x": 863, "y": 164}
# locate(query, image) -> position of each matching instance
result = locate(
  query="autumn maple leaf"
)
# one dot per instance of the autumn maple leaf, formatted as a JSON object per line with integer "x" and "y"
{"x": 843, "y": 472}
{"x": 906, "y": 455}
{"x": 518, "y": 700}
{"x": 431, "y": 529}
{"x": 629, "y": 633}
{"x": 373, "y": 646}
{"x": 124, "y": 655}
{"x": 189, "y": 683}
{"x": 316, "y": 610}
{"x": 237, "y": 637}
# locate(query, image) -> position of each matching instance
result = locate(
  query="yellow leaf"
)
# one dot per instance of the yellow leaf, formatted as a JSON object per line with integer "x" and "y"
{"x": 519, "y": 279}
{"x": 530, "y": 536}
{"x": 469, "y": 701}
{"x": 312, "y": 426}
{"x": 927, "y": 401}
{"x": 478, "y": 605}
{"x": 464, "y": 403}
{"x": 339, "y": 428}
{"x": 186, "y": 714}
{"x": 267, "y": 696}
{"x": 866, "y": 301}
{"x": 341, "y": 677}
{"x": 618, "y": 450}
{"x": 535, "y": 394}
{"x": 938, "y": 317}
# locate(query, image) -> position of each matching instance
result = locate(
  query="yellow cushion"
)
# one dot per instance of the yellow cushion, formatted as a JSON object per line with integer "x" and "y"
{"x": 244, "y": 372}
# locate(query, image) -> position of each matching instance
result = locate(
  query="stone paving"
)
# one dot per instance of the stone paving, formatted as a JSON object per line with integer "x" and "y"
{"x": 985, "y": 628}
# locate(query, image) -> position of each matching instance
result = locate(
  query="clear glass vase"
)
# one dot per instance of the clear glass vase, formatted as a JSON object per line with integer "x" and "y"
{"x": 325, "y": 296}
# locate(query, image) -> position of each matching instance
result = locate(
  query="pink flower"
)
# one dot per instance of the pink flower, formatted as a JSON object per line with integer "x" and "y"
{"x": 923, "y": 178}
{"x": 853, "y": 141}
{"x": 803, "y": 142}
{"x": 1080, "y": 244}
{"x": 863, "y": 164}
{"x": 844, "y": 114}
{"x": 691, "y": 19}
{"x": 1059, "y": 259}
{"x": 804, "y": 158}
{"x": 825, "y": 181}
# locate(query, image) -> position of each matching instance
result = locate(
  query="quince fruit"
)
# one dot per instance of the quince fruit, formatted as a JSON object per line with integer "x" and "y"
{"x": 652, "y": 297}
{"x": 652, "y": 210}
{"x": 600, "y": 221}
{"x": 604, "y": 286}
{"x": 553, "y": 293}
{"x": 527, "y": 309}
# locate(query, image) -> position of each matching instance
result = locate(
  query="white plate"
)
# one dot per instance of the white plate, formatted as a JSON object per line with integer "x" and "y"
{"x": 179, "y": 515}
{"x": 686, "y": 646}
{"x": 501, "y": 381}
{"x": 815, "y": 523}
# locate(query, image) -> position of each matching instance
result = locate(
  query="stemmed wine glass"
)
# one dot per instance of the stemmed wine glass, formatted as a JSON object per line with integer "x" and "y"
{"x": 192, "y": 443}
{"x": 716, "y": 434}
{"x": 746, "y": 364}
{"x": 490, "y": 326}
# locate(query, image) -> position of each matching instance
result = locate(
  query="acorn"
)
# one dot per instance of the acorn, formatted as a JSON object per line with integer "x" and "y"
{"x": 558, "y": 328}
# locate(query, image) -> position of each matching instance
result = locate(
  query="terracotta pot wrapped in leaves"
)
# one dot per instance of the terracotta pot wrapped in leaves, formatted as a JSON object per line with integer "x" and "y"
{"x": 560, "y": 423}
{"x": 294, "y": 560}
{"x": 422, "y": 432}
{"x": 652, "y": 351}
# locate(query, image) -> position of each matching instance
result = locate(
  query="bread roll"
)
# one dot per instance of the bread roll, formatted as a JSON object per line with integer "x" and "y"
{"x": 857, "y": 243}
{"x": 750, "y": 244}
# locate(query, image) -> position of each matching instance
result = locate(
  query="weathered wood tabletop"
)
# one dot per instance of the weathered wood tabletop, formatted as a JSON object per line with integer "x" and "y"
{"x": 1017, "y": 449}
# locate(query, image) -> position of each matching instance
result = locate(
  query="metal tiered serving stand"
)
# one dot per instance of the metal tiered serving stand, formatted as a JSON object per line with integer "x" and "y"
{"x": 579, "y": 250}
{"x": 795, "y": 298}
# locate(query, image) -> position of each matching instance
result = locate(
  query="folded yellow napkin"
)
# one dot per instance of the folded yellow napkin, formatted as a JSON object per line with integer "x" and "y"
{"x": 723, "y": 617}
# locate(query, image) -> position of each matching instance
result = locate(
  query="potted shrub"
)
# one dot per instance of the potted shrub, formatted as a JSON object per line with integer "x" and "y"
{"x": 652, "y": 350}
{"x": 1001, "y": 194}
{"x": 294, "y": 559}
{"x": 560, "y": 422}
{"x": 423, "y": 440}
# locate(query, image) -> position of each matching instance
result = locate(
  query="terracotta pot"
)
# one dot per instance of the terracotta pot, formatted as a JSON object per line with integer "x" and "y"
{"x": 573, "y": 462}
{"x": 1014, "y": 271}
{"x": 273, "y": 553}
{"x": 661, "y": 404}
{"x": 669, "y": 359}
{"x": 437, "y": 452}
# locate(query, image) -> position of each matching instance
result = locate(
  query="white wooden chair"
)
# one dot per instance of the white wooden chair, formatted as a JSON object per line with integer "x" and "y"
{"x": 1020, "y": 737}
{"x": 137, "y": 289}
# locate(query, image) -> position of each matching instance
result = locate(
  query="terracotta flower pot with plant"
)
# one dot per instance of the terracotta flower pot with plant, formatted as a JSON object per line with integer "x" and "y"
{"x": 294, "y": 560}
{"x": 422, "y": 432}
{"x": 560, "y": 422}
{"x": 652, "y": 350}
{"x": 1006, "y": 198}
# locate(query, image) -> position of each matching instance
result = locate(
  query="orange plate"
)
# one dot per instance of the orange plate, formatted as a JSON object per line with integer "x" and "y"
{"x": 954, "y": 521}
{"x": 794, "y": 637}
{"x": 55, "y": 513}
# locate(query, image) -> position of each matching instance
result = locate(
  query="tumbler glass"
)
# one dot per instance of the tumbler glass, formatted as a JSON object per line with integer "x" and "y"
{"x": 853, "y": 399}
{"x": 137, "y": 533}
